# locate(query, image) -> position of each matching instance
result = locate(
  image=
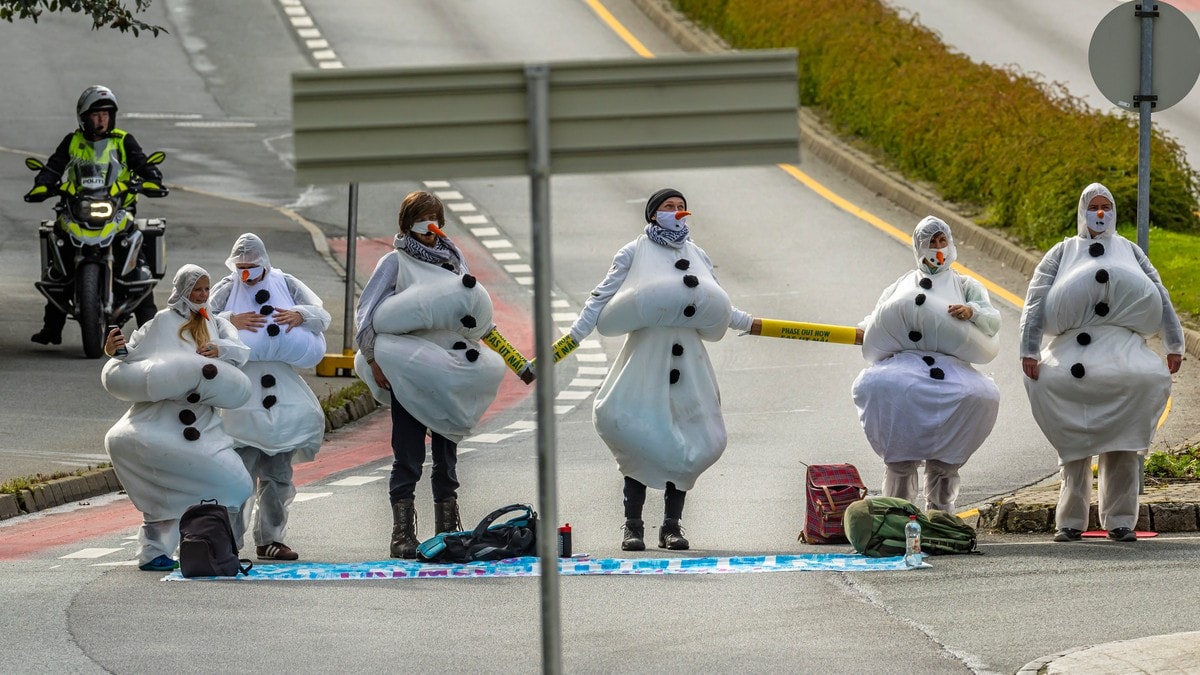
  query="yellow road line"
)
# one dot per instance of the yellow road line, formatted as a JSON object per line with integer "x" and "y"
{"x": 618, "y": 28}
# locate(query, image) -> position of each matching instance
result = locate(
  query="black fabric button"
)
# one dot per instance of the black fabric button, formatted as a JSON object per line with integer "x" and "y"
{"x": 920, "y": 299}
{"x": 1101, "y": 309}
{"x": 269, "y": 401}
{"x": 191, "y": 433}
{"x": 468, "y": 321}
{"x": 266, "y": 310}
{"x": 459, "y": 345}
{"x": 674, "y": 375}
{"x": 268, "y": 381}
{"x": 937, "y": 373}
{"x": 472, "y": 355}
{"x": 690, "y": 281}
{"x": 262, "y": 296}
{"x": 1096, "y": 249}
{"x": 925, "y": 283}
{"x": 273, "y": 329}
{"x": 209, "y": 371}
{"x": 1102, "y": 276}
{"x": 682, "y": 264}
{"x": 187, "y": 417}
{"x": 447, "y": 266}
{"x": 193, "y": 397}
{"x": 468, "y": 281}
{"x": 690, "y": 310}
{"x": 676, "y": 350}
{"x": 1083, "y": 339}
{"x": 928, "y": 360}
{"x": 915, "y": 335}
{"x": 1078, "y": 370}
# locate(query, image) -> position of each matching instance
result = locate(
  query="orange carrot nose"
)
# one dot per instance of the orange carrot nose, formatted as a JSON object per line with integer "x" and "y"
{"x": 436, "y": 230}
{"x": 681, "y": 214}
{"x": 941, "y": 258}
{"x": 204, "y": 313}
{"x": 245, "y": 275}
{"x": 1100, "y": 214}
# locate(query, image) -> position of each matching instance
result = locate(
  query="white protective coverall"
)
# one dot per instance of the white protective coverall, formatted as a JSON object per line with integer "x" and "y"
{"x": 169, "y": 449}
{"x": 282, "y": 423}
{"x": 1100, "y": 388}
{"x": 422, "y": 324}
{"x": 659, "y": 408}
{"x": 920, "y": 400}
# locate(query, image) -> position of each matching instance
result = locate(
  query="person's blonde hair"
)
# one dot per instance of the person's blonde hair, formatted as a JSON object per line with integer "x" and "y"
{"x": 198, "y": 327}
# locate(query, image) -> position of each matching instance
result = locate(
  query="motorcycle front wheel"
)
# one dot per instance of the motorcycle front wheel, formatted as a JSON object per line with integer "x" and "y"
{"x": 89, "y": 311}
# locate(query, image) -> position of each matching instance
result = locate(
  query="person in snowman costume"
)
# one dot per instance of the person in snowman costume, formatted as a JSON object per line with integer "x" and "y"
{"x": 1096, "y": 387}
{"x": 283, "y": 322}
{"x": 420, "y": 320}
{"x": 170, "y": 450}
{"x": 921, "y": 402}
{"x": 659, "y": 408}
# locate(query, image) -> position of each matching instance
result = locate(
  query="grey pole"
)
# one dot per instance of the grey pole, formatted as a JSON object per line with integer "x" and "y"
{"x": 351, "y": 249}
{"x": 1145, "y": 100}
{"x": 537, "y": 78}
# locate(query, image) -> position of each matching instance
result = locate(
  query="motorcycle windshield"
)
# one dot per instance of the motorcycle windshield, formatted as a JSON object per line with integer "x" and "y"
{"x": 94, "y": 213}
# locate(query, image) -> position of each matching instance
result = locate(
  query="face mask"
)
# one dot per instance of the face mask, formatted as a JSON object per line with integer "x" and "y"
{"x": 250, "y": 273}
{"x": 424, "y": 226}
{"x": 199, "y": 308}
{"x": 1098, "y": 221}
{"x": 671, "y": 220}
{"x": 937, "y": 259}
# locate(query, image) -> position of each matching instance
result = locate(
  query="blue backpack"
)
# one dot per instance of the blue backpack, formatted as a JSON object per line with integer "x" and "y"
{"x": 513, "y": 538}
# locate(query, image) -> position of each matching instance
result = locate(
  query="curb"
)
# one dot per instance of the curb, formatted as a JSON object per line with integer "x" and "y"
{"x": 1171, "y": 508}
{"x": 59, "y": 491}
{"x": 816, "y": 138}
{"x": 1042, "y": 665}
{"x": 355, "y": 409}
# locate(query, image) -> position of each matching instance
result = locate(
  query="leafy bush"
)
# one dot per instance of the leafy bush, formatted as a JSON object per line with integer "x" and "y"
{"x": 1183, "y": 463}
{"x": 1017, "y": 149}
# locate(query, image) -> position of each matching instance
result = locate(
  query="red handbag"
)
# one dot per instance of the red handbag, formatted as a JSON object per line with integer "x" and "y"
{"x": 828, "y": 490}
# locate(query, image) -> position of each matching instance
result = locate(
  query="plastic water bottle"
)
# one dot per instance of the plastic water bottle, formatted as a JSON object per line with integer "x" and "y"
{"x": 912, "y": 542}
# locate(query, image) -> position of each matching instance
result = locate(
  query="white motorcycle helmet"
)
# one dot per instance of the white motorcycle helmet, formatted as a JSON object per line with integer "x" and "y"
{"x": 95, "y": 98}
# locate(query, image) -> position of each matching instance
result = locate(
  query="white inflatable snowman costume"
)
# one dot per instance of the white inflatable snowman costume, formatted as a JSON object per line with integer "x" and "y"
{"x": 920, "y": 399}
{"x": 169, "y": 449}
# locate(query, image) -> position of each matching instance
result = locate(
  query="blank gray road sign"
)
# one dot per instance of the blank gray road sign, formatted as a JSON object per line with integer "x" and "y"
{"x": 605, "y": 115}
{"x": 1114, "y": 56}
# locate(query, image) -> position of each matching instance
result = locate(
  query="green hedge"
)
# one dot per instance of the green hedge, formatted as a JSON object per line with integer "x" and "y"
{"x": 1017, "y": 149}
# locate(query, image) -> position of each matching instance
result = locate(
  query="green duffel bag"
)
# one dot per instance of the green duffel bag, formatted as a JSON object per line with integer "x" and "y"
{"x": 875, "y": 527}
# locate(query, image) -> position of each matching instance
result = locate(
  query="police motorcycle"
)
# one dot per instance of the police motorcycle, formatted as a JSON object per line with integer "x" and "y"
{"x": 89, "y": 252}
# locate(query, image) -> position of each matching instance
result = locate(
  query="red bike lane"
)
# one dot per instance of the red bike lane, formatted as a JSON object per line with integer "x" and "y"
{"x": 359, "y": 444}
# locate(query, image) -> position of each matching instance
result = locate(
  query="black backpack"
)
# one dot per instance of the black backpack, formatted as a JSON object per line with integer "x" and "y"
{"x": 514, "y": 538}
{"x": 206, "y": 546}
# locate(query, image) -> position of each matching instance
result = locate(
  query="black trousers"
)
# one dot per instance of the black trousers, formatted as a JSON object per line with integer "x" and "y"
{"x": 408, "y": 449}
{"x": 635, "y": 497}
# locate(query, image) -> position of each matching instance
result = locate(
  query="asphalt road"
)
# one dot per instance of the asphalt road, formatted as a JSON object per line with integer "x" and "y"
{"x": 781, "y": 250}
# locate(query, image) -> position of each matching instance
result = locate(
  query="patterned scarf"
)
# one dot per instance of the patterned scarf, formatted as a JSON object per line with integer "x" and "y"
{"x": 441, "y": 253}
{"x": 665, "y": 237}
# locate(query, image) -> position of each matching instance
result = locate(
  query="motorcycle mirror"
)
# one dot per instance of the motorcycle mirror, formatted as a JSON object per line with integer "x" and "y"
{"x": 156, "y": 157}
{"x": 34, "y": 164}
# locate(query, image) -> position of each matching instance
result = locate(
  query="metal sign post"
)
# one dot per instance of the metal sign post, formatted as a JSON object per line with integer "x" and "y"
{"x": 496, "y": 120}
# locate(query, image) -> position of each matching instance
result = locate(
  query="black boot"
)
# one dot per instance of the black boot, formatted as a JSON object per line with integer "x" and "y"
{"x": 633, "y": 535}
{"x": 445, "y": 516}
{"x": 52, "y": 327}
{"x": 670, "y": 535}
{"x": 404, "y": 529}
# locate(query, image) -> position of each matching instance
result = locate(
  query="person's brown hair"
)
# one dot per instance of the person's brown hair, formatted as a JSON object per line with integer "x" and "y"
{"x": 418, "y": 204}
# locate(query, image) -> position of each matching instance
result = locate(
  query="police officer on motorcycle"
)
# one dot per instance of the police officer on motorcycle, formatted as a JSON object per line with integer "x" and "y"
{"x": 96, "y": 111}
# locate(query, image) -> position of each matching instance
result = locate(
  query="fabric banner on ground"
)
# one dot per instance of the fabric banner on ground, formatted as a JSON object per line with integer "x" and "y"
{"x": 578, "y": 566}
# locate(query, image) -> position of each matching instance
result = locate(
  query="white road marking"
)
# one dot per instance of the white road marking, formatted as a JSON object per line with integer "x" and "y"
{"x": 518, "y": 268}
{"x": 460, "y": 207}
{"x": 436, "y": 184}
{"x": 573, "y": 395}
{"x": 449, "y": 195}
{"x": 496, "y": 243}
{"x": 591, "y": 358}
{"x": 490, "y": 438}
{"x": 355, "y": 481}
{"x": 309, "y": 496}
{"x": 90, "y": 553}
{"x": 592, "y": 370}
{"x": 476, "y": 219}
{"x": 485, "y": 232}
{"x": 120, "y": 563}
{"x": 506, "y": 255}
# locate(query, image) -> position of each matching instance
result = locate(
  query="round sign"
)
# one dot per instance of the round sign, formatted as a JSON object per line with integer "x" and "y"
{"x": 1115, "y": 55}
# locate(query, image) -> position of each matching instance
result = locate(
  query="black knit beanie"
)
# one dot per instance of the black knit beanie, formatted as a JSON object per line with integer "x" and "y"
{"x": 658, "y": 198}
